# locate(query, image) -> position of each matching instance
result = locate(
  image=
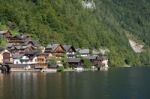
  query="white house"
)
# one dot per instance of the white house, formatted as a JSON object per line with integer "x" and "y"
{"x": 28, "y": 58}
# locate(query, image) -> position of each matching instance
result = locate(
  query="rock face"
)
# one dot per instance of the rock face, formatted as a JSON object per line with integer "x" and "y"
{"x": 138, "y": 48}
{"x": 89, "y": 4}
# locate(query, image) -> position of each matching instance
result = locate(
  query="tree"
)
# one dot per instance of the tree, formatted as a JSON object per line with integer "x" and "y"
{"x": 87, "y": 63}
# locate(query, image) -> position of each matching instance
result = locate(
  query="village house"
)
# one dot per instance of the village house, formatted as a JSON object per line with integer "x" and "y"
{"x": 41, "y": 61}
{"x": 70, "y": 51}
{"x": 75, "y": 62}
{"x": 28, "y": 59}
{"x": 16, "y": 40}
{"x": 5, "y": 56}
{"x": 17, "y": 58}
{"x": 55, "y": 50}
{"x": 19, "y": 39}
{"x": 83, "y": 52}
{"x": 5, "y": 34}
{"x": 32, "y": 43}
{"x": 33, "y": 59}
{"x": 101, "y": 61}
{"x": 20, "y": 49}
{"x": 92, "y": 58}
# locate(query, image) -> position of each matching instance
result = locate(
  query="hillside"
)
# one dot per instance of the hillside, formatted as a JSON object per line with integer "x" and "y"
{"x": 67, "y": 21}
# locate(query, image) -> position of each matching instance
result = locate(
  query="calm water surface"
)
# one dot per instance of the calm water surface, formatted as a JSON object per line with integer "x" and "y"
{"x": 117, "y": 83}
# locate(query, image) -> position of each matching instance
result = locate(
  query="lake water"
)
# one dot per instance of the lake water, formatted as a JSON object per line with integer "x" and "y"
{"x": 117, "y": 83}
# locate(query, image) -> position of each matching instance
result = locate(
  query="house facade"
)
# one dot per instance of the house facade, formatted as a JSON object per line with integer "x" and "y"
{"x": 5, "y": 56}
{"x": 70, "y": 51}
{"x": 75, "y": 62}
{"x": 55, "y": 50}
{"x": 41, "y": 61}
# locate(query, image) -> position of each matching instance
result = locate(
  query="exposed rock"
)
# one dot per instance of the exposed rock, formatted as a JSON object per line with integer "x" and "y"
{"x": 137, "y": 47}
{"x": 89, "y": 4}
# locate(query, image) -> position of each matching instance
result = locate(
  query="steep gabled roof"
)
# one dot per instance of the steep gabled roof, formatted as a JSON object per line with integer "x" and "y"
{"x": 68, "y": 47}
{"x": 53, "y": 47}
{"x": 35, "y": 43}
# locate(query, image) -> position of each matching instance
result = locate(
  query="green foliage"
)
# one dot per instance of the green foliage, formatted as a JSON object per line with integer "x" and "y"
{"x": 3, "y": 42}
{"x": 52, "y": 61}
{"x": 65, "y": 61}
{"x": 87, "y": 63}
{"x": 66, "y": 21}
{"x": 60, "y": 69}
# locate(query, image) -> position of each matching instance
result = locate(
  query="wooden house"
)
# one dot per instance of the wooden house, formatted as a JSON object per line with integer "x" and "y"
{"x": 21, "y": 49}
{"x": 55, "y": 50}
{"x": 16, "y": 40}
{"x": 41, "y": 61}
{"x": 31, "y": 43}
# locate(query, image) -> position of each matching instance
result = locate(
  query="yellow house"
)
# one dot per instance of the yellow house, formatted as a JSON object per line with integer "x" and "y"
{"x": 5, "y": 56}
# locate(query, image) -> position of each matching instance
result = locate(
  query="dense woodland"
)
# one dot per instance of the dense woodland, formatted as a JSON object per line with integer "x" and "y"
{"x": 66, "y": 21}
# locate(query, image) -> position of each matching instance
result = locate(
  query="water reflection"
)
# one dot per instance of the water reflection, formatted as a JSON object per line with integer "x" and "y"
{"x": 114, "y": 84}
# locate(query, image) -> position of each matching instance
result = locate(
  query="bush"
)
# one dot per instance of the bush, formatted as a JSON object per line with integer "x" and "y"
{"x": 87, "y": 63}
{"x": 60, "y": 69}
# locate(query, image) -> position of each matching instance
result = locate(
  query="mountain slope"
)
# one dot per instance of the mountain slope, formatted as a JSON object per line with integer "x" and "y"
{"x": 67, "y": 21}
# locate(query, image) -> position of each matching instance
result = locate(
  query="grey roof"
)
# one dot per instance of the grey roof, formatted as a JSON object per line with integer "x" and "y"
{"x": 74, "y": 60}
{"x": 67, "y": 47}
{"x": 52, "y": 46}
{"x": 83, "y": 51}
{"x": 2, "y": 32}
{"x": 9, "y": 45}
{"x": 92, "y": 57}
{"x": 35, "y": 43}
{"x": 19, "y": 47}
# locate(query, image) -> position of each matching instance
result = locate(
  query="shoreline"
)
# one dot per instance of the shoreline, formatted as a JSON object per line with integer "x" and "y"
{"x": 50, "y": 70}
